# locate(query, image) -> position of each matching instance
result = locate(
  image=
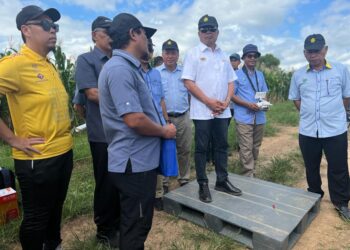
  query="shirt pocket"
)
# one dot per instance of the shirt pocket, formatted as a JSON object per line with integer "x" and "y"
{"x": 331, "y": 87}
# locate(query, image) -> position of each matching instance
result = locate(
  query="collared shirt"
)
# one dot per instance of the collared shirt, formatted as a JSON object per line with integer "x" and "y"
{"x": 88, "y": 68}
{"x": 38, "y": 103}
{"x": 154, "y": 83}
{"x": 123, "y": 91}
{"x": 176, "y": 94}
{"x": 212, "y": 72}
{"x": 322, "y": 112}
{"x": 245, "y": 91}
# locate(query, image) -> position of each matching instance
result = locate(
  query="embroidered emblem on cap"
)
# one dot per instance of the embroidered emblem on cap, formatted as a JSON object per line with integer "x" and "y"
{"x": 205, "y": 19}
{"x": 169, "y": 42}
{"x": 312, "y": 40}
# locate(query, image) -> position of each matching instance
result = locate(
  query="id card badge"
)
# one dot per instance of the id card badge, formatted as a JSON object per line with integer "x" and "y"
{"x": 260, "y": 95}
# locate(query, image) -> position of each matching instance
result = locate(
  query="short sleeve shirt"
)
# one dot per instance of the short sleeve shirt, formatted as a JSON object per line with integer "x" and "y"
{"x": 322, "y": 112}
{"x": 123, "y": 91}
{"x": 245, "y": 91}
{"x": 212, "y": 72}
{"x": 88, "y": 68}
{"x": 175, "y": 92}
{"x": 154, "y": 83}
{"x": 38, "y": 103}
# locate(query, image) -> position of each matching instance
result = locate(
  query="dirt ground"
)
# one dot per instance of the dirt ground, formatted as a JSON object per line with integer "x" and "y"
{"x": 327, "y": 231}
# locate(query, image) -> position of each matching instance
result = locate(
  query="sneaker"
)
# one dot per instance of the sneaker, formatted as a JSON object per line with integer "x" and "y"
{"x": 204, "y": 193}
{"x": 158, "y": 204}
{"x": 344, "y": 212}
{"x": 111, "y": 239}
{"x": 227, "y": 187}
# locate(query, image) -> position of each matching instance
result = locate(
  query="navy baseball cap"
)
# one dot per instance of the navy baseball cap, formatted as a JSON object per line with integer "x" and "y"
{"x": 170, "y": 45}
{"x": 235, "y": 57}
{"x": 207, "y": 20}
{"x": 314, "y": 42}
{"x": 32, "y": 12}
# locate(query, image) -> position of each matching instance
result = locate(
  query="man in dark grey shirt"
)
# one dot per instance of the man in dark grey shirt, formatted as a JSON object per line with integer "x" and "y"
{"x": 106, "y": 198}
{"x": 132, "y": 129}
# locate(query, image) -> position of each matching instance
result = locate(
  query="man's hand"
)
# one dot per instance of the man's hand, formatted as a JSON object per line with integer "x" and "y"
{"x": 25, "y": 144}
{"x": 216, "y": 106}
{"x": 253, "y": 106}
{"x": 169, "y": 131}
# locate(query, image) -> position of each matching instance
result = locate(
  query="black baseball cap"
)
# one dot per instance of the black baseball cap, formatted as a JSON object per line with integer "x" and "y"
{"x": 170, "y": 45}
{"x": 207, "y": 20}
{"x": 101, "y": 22}
{"x": 123, "y": 22}
{"x": 314, "y": 42}
{"x": 32, "y": 12}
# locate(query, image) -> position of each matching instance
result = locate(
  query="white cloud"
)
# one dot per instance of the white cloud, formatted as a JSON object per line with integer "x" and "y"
{"x": 240, "y": 23}
{"x": 96, "y": 5}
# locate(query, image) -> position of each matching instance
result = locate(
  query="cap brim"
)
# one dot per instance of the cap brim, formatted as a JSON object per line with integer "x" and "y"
{"x": 314, "y": 47}
{"x": 149, "y": 31}
{"x": 53, "y": 14}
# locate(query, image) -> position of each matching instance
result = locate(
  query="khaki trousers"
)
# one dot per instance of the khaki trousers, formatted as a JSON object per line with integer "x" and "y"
{"x": 250, "y": 137}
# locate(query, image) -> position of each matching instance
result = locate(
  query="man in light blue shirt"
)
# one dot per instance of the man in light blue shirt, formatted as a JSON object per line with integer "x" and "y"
{"x": 177, "y": 105}
{"x": 250, "y": 120}
{"x": 321, "y": 91}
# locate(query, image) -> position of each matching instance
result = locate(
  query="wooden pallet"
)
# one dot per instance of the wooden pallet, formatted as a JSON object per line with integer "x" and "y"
{"x": 266, "y": 216}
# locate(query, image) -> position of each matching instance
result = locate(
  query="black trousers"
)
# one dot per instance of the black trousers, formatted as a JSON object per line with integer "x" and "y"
{"x": 106, "y": 198}
{"x": 44, "y": 184}
{"x": 215, "y": 129}
{"x": 136, "y": 192}
{"x": 336, "y": 151}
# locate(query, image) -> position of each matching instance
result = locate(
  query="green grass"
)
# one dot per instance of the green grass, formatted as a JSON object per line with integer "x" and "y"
{"x": 199, "y": 238}
{"x": 284, "y": 170}
{"x": 283, "y": 113}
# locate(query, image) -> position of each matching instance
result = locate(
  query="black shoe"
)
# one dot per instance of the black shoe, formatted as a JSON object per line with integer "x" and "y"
{"x": 158, "y": 204}
{"x": 227, "y": 187}
{"x": 204, "y": 193}
{"x": 344, "y": 212}
{"x": 183, "y": 184}
{"x": 165, "y": 189}
{"x": 111, "y": 239}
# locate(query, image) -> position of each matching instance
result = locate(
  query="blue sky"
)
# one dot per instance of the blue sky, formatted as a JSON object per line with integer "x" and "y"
{"x": 275, "y": 26}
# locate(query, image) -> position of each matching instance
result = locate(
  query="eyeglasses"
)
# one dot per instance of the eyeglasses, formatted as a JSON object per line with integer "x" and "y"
{"x": 45, "y": 24}
{"x": 251, "y": 56}
{"x": 208, "y": 29}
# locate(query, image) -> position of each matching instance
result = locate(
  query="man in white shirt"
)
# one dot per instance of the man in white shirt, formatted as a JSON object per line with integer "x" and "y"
{"x": 208, "y": 76}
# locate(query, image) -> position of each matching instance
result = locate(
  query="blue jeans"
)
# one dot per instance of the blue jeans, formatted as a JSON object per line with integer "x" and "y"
{"x": 203, "y": 130}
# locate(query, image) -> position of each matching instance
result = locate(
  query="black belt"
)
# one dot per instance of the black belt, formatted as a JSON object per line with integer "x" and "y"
{"x": 175, "y": 114}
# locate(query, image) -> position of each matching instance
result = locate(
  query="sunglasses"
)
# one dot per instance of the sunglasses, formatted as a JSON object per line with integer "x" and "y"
{"x": 45, "y": 24}
{"x": 313, "y": 51}
{"x": 208, "y": 29}
{"x": 251, "y": 56}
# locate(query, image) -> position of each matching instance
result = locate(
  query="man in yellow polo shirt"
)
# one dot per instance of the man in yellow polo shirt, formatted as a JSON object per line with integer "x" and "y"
{"x": 41, "y": 140}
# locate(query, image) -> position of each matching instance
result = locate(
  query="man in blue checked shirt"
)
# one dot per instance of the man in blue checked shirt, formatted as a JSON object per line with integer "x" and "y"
{"x": 321, "y": 91}
{"x": 177, "y": 105}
